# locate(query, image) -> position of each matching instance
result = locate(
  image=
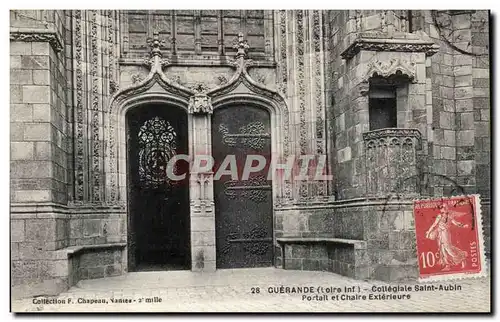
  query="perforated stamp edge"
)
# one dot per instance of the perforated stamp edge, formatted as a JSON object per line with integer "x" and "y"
{"x": 479, "y": 221}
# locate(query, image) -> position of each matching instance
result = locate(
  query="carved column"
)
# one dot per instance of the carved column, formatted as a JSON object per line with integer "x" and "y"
{"x": 201, "y": 184}
{"x": 300, "y": 57}
{"x": 282, "y": 59}
{"x": 319, "y": 188}
{"x": 95, "y": 79}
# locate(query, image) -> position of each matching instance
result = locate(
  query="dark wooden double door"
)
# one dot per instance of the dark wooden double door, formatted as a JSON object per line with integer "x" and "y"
{"x": 158, "y": 207}
{"x": 243, "y": 208}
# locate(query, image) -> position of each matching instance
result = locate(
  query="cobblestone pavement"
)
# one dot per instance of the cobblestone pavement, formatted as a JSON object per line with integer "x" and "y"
{"x": 254, "y": 290}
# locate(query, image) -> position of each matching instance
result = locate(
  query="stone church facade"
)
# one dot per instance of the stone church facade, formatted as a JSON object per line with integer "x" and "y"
{"x": 396, "y": 101}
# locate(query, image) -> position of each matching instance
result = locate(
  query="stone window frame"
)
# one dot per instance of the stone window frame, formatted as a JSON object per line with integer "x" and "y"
{"x": 400, "y": 84}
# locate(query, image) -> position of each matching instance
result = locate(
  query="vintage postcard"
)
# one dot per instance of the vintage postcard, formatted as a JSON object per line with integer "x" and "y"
{"x": 250, "y": 160}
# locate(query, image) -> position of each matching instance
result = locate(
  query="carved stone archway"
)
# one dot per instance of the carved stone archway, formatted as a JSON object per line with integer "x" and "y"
{"x": 243, "y": 89}
{"x": 156, "y": 87}
{"x": 199, "y": 102}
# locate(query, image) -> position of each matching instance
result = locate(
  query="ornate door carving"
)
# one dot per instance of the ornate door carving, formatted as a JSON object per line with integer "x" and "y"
{"x": 158, "y": 233}
{"x": 243, "y": 208}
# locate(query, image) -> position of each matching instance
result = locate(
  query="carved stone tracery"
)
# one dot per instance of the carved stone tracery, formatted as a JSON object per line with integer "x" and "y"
{"x": 283, "y": 89}
{"x": 319, "y": 186}
{"x": 393, "y": 67}
{"x": 301, "y": 81}
{"x": 113, "y": 84}
{"x": 391, "y": 132}
{"x": 80, "y": 112}
{"x": 95, "y": 111}
{"x": 392, "y": 160}
{"x": 198, "y": 99}
{"x": 157, "y": 145}
{"x": 94, "y": 70}
{"x": 200, "y": 104}
{"x": 241, "y": 46}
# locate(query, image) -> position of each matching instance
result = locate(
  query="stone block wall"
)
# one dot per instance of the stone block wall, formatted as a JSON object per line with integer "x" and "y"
{"x": 441, "y": 103}
{"x": 392, "y": 250}
{"x": 32, "y": 166}
{"x": 305, "y": 221}
{"x": 307, "y": 257}
{"x": 388, "y": 229}
{"x": 203, "y": 256}
{"x": 446, "y": 102}
{"x": 458, "y": 78}
{"x": 98, "y": 264}
{"x": 93, "y": 228}
{"x": 38, "y": 150}
{"x": 38, "y": 109}
{"x": 385, "y": 226}
{"x": 35, "y": 266}
{"x": 458, "y": 84}
{"x": 339, "y": 114}
{"x": 344, "y": 259}
{"x": 42, "y": 177}
{"x": 481, "y": 101}
{"x": 301, "y": 221}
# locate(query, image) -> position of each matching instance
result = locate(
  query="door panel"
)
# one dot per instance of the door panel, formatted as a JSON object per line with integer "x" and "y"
{"x": 243, "y": 208}
{"x": 158, "y": 234}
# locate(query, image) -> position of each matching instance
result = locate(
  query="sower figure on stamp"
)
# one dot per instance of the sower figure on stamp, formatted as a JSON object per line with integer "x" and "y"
{"x": 449, "y": 254}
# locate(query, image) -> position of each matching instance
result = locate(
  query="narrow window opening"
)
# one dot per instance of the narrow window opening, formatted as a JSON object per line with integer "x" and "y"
{"x": 382, "y": 107}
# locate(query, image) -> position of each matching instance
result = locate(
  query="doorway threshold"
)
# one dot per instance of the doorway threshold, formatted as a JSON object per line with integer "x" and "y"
{"x": 151, "y": 267}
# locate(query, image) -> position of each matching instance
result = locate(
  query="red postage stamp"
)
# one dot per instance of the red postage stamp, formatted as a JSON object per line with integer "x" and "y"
{"x": 449, "y": 238}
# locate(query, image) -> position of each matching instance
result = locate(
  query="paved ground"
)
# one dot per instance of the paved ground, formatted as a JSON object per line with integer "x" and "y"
{"x": 249, "y": 290}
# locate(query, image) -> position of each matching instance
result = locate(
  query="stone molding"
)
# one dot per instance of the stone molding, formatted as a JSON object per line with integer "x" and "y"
{"x": 370, "y": 43}
{"x": 196, "y": 62}
{"x": 392, "y": 132}
{"x": 368, "y": 201}
{"x": 37, "y": 35}
{"x": 458, "y": 12}
{"x": 46, "y": 210}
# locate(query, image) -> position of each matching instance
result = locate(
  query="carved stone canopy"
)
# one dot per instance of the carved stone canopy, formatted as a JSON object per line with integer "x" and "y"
{"x": 400, "y": 42}
{"x": 200, "y": 104}
{"x": 393, "y": 67}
